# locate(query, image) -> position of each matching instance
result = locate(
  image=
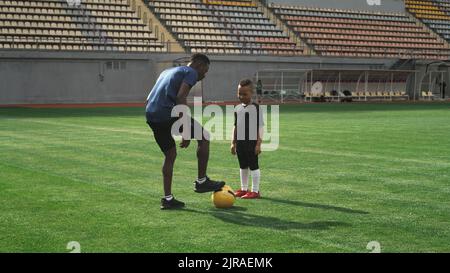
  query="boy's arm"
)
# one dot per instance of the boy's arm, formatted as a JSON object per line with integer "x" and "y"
{"x": 259, "y": 141}
{"x": 260, "y": 135}
{"x": 234, "y": 136}
{"x": 233, "y": 141}
{"x": 260, "y": 132}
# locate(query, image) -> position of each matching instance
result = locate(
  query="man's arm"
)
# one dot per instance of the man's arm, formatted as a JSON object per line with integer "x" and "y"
{"x": 182, "y": 99}
{"x": 183, "y": 93}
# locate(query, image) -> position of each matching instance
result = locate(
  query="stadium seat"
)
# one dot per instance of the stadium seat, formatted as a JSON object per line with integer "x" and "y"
{"x": 435, "y": 14}
{"x": 45, "y": 21}
{"x": 229, "y": 27}
{"x": 335, "y": 32}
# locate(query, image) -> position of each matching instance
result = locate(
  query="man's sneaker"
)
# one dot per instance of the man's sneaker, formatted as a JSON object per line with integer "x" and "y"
{"x": 251, "y": 195}
{"x": 208, "y": 186}
{"x": 172, "y": 204}
{"x": 240, "y": 193}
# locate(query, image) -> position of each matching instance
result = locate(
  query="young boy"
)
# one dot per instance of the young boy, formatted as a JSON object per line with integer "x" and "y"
{"x": 247, "y": 139}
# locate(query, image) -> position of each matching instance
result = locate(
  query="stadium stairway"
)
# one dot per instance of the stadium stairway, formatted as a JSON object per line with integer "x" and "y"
{"x": 365, "y": 34}
{"x": 434, "y": 14}
{"x": 156, "y": 25}
{"x": 226, "y": 27}
{"x": 425, "y": 26}
{"x": 274, "y": 18}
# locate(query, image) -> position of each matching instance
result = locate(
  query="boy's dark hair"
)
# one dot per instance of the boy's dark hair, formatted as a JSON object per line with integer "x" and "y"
{"x": 245, "y": 82}
{"x": 200, "y": 58}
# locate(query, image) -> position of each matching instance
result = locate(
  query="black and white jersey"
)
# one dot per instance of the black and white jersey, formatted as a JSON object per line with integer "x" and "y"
{"x": 248, "y": 119}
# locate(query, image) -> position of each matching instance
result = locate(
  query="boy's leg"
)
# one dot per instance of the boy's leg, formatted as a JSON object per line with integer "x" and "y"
{"x": 243, "y": 159}
{"x": 242, "y": 155}
{"x": 256, "y": 173}
{"x": 256, "y": 176}
{"x": 244, "y": 174}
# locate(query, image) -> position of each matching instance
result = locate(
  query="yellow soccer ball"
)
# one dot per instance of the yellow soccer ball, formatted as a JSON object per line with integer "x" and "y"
{"x": 228, "y": 188}
{"x": 224, "y": 198}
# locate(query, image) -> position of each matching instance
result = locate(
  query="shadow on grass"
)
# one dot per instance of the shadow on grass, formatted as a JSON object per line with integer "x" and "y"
{"x": 229, "y": 210}
{"x": 313, "y": 205}
{"x": 236, "y": 215}
{"x": 247, "y": 219}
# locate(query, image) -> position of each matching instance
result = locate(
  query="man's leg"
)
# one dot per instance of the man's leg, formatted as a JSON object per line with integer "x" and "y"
{"x": 167, "y": 170}
{"x": 202, "y": 157}
{"x": 203, "y": 183}
{"x": 168, "y": 201}
{"x": 166, "y": 143}
{"x": 203, "y": 137}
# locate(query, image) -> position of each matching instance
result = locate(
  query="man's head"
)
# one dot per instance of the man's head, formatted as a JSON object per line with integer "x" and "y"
{"x": 245, "y": 91}
{"x": 200, "y": 62}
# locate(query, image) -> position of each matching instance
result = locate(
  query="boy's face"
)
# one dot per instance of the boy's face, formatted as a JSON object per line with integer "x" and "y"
{"x": 245, "y": 93}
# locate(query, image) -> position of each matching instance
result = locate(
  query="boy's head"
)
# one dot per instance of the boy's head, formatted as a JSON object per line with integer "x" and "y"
{"x": 245, "y": 91}
{"x": 200, "y": 62}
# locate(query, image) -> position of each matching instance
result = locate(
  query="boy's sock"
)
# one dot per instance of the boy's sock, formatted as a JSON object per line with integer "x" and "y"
{"x": 256, "y": 175}
{"x": 244, "y": 179}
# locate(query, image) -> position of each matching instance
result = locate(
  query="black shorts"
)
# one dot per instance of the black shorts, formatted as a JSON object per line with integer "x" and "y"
{"x": 162, "y": 131}
{"x": 245, "y": 151}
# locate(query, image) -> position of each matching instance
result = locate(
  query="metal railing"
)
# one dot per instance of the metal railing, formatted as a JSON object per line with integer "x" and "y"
{"x": 58, "y": 43}
{"x": 61, "y": 43}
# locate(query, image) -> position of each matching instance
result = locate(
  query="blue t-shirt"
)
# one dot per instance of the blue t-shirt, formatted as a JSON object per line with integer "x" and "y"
{"x": 162, "y": 98}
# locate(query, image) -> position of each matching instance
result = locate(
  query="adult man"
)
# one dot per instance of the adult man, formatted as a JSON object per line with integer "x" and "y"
{"x": 171, "y": 89}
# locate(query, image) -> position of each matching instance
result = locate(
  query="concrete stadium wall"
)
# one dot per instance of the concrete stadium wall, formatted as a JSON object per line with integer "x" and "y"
{"x": 55, "y": 77}
{"x": 58, "y": 77}
{"x": 384, "y": 5}
{"x": 226, "y": 71}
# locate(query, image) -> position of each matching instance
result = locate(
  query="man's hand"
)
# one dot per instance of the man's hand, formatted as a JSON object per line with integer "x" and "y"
{"x": 233, "y": 149}
{"x": 185, "y": 143}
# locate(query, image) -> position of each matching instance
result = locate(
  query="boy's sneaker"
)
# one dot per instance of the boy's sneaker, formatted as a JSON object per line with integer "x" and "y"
{"x": 172, "y": 204}
{"x": 240, "y": 193}
{"x": 251, "y": 195}
{"x": 208, "y": 186}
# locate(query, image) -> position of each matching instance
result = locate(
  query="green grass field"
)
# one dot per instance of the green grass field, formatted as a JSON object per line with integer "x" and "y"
{"x": 344, "y": 175}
